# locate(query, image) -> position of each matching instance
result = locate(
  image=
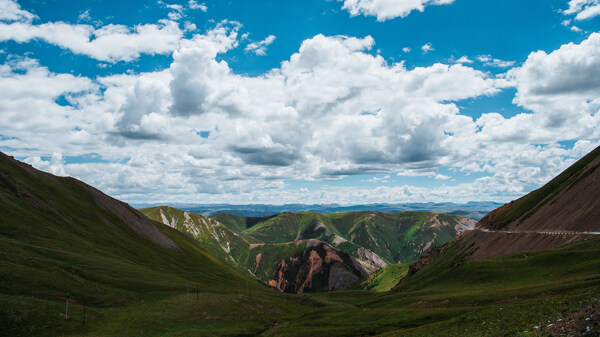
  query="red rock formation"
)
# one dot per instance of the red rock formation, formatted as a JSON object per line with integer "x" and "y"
{"x": 320, "y": 268}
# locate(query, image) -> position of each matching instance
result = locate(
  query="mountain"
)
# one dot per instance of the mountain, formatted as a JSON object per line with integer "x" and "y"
{"x": 473, "y": 209}
{"x": 319, "y": 267}
{"x": 395, "y": 238}
{"x": 59, "y": 236}
{"x": 562, "y": 211}
{"x": 213, "y": 236}
{"x": 129, "y": 276}
{"x": 310, "y": 252}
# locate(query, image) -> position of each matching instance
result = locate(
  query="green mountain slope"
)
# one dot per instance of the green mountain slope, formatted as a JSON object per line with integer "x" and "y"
{"x": 265, "y": 261}
{"x": 382, "y": 280}
{"x": 372, "y": 239}
{"x": 59, "y": 236}
{"x": 212, "y": 235}
{"x": 399, "y": 237}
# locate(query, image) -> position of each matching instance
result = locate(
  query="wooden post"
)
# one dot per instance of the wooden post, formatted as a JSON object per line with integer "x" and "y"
{"x": 67, "y": 308}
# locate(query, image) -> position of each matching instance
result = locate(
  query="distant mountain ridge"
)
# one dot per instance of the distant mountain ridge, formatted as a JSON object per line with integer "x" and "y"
{"x": 472, "y": 209}
{"x": 311, "y": 252}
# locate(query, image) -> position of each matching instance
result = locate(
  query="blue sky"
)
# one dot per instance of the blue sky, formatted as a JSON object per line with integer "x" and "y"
{"x": 315, "y": 101}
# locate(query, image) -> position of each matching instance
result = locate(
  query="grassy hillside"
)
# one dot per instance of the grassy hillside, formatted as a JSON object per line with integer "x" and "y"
{"x": 504, "y": 296}
{"x": 213, "y": 236}
{"x": 400, "y": 237}
{"x": 382, "y": 280}
{"x": 59, "y": 236}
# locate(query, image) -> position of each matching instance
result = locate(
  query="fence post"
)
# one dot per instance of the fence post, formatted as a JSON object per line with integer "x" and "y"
{"x": 67, "y": 308}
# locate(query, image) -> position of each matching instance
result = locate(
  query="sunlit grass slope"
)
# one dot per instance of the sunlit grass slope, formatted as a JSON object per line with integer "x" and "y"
{"x": 382, "y": 280}
{"x": 59, "y": 236}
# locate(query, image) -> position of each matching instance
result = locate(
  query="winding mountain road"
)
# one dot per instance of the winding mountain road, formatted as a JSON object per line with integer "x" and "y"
{"x": 538, "y": 232}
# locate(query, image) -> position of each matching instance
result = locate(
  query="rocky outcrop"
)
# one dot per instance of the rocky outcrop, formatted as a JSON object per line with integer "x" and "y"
{"x": 369, "y": 260}
{"x": 320, "y": 268}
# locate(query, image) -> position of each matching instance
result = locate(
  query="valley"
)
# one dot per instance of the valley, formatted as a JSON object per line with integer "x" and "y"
{"x": 312, "y": 252}
{"x": 177, "y": 273}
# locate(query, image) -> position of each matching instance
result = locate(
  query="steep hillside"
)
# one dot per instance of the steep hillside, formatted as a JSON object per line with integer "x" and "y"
{"x": 263, "y": 260}
{"x": 564, "y": 210}
{"x": 371, "y": 239}
{"x": 59, "y": 236}
{"x": 382, "y": 280}
{"x": 212, "y": 235}
{"x": 569, "y": 202}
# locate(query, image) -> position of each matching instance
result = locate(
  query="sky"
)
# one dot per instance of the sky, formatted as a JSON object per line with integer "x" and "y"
{"x": 301, "y": 101}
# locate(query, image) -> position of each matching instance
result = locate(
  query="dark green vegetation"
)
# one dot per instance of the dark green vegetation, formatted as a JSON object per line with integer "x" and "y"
{"x": 59, "y": 236}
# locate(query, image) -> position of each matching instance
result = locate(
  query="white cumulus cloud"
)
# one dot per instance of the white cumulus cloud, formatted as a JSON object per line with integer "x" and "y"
{"x": 198, "y": 130}
{"x": 109, "y": 43}
{"x": 583, "y": 9}
{"x": 193, "y": 4}
{"x": 260, "y": 47}
{"x": 10, "y": 10}
{"x": 389, "y": 9}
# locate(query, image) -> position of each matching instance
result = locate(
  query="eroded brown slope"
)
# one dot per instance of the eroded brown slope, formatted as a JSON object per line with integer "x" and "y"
{"x": 560, "y": 212}
{"x": 491, "y": 244}
{"x": 320, "y": 268}
{"x": 570, "y": 202}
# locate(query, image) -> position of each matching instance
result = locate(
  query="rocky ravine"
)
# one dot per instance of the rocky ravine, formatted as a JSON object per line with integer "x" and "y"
{"x": 320, "y": 268}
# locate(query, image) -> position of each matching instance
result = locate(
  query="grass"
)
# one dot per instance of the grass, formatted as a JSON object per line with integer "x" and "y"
{"x": 502, "y": 296}
{"x": 383, "y": 279}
